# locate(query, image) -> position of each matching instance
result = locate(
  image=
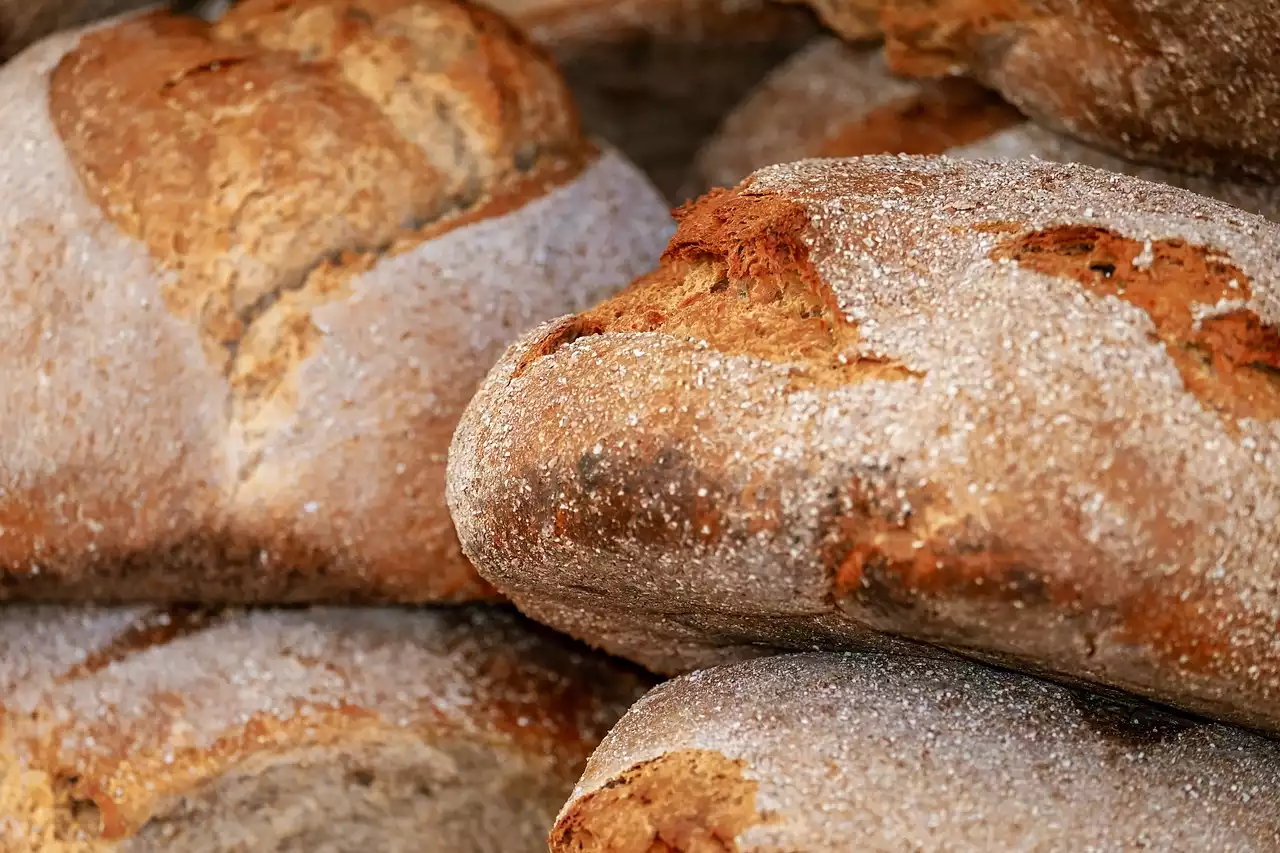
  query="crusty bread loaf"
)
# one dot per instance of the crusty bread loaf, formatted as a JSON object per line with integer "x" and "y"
{"x": 253, "y": 274}
{"x": 838, "y": 100}
{"x": 25, "y": 21}
{"x": 654, "y": 77}
{"x": 342, "y": 730}
{"x": 866, "y": 752}
{"x": 1026, "y": 411}
{"x": 1179, "y": 83}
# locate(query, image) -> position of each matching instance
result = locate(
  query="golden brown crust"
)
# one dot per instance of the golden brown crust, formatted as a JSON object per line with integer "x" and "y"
{"x": 1047, "y": 480}
{"x": 214, "y": 694}
{"x": 1177, "y": 83}
{"x": 289, "y": 245}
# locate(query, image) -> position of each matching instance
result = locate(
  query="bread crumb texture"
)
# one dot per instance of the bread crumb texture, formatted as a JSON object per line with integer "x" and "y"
{"x": 269, "y": 159}
{"x": 1052, "y": 440}
{"x": 687, "y": 801}
{"x": 117, "y": 719}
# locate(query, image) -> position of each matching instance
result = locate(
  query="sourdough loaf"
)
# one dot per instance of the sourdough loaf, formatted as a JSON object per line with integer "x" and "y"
{"x": 654, "y": 77}
{"x": 253, "y": 273}
{"x": 867, "y": 752}
{"x": 837, "y": 100}
{"x": 190, "y": 730}
{"x": 1026, "y": 411}
{"x": 1177, "y": 83}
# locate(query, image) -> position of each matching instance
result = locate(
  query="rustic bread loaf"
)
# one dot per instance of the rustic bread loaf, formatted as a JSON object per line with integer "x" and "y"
{"x": 867, "y": 752}
{"x": 1026, "y": 411}
{"x": 654, "y": 77}
{"x": 837, "y": 100}
{"x": 253, "y": 273}
{"x": 341, "y": 730}
{"x": 1178, "y": 83}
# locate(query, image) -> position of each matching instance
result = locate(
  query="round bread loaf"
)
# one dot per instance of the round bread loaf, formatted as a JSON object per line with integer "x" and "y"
{"x": 837, "y": 100}
{"x": 1025, "y": 411}
{"x": 252, "y": 274}
{"x": 349, "y": 731}
{"x": 654, "y": 77}
{"x": 1178, "y": 83}
{"x": 867, "y": 752}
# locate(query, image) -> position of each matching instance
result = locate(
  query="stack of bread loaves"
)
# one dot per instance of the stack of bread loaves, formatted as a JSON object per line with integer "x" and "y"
{"x": 252, "y": 273}
{"x": 929, "y": 416}
{"x": 942, "y": 477}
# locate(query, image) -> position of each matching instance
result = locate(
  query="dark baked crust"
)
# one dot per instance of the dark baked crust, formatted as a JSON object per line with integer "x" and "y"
{"x": 874, "y": 752}
{"x": 1177, "y": 83}
{"x": 255, "y": 271}
{"x": 123, "y": 713}
{"x": 1038, "y": 426}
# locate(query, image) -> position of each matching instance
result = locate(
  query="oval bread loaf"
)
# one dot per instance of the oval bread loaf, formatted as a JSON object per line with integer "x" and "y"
{"x": 1177, "y": 83}
{"x": 252, "y": 274}
{"x": 1026, "y": 411}
{"x": 838, "y": 100}
{"x": 867, "y": 752}
{"x": 203, "y": 731}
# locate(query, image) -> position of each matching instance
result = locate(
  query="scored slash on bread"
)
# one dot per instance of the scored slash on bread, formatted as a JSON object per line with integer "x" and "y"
{"x": 252, "y": 274}
{"x": 1182, "y": 84}
{"x": 832, "y": 753}
{"x": 140, "y": 729}
{"x": 1023, "y": 411}
{"x": 837, "y": 100}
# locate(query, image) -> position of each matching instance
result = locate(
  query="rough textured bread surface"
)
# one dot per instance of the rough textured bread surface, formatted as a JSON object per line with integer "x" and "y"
{"x": 25, "y": 21}
{"x": 654, "y": 77}
{"x": 837, "y": 100}
{"x": 1025, "y": 411}
{"x": 856, "y": 20}
{"x": 829, "y": 753}
{"x": 328, "y": 729}
{"x": 1178, "y": 83}
{"x": 252, "y": 275}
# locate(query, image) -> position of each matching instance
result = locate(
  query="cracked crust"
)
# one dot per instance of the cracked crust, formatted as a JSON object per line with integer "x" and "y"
{"x": 838, "y": 100}
{"x": 254, "y": 271}
{"x": 118, "y": 721}
{"x": 1177, "y": 83}
{"x": 874, "y": 752}
{"x": 1071, "y": 470}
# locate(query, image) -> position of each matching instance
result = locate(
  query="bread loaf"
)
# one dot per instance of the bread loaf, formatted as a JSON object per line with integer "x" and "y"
{"x": 866, "y": 752}
{"x": 1177, "y": 83}
{"x": 837, "y": 100}
{"x": 1026, "y": 411}
{"x": 253, "y": 273}
{"x": 341, "y": 730}
{"x": 654, "y": 77}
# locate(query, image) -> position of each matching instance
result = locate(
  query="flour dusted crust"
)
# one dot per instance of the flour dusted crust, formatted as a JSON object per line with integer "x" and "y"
{"x": 838, "y": 100}
{"x": 133, "y": 725}
{"x": 1025, "y": 411}
{"x": 253, "y": 273}
{"x": 871, "y": 752}
{"x": 1176, "y": 83}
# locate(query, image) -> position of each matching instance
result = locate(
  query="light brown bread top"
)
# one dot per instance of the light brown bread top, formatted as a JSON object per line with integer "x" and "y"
{"x": 142, "y": 729}
{"x": 839, "y": 100}
{"x": 252, "y": 275}
{"x": 1178, "y": 83}
{"x": 1027, "y": 411}
{"x": 831, "y": 753}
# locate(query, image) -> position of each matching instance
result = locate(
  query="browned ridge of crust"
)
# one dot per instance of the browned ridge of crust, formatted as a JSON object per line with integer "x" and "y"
{"x": 273, "y": 157}
{"x": 1230, "y": 359}
{"x": 737, "y": 275}
{"x": 944, "y": 115}
{"x": 689, "y": 800}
